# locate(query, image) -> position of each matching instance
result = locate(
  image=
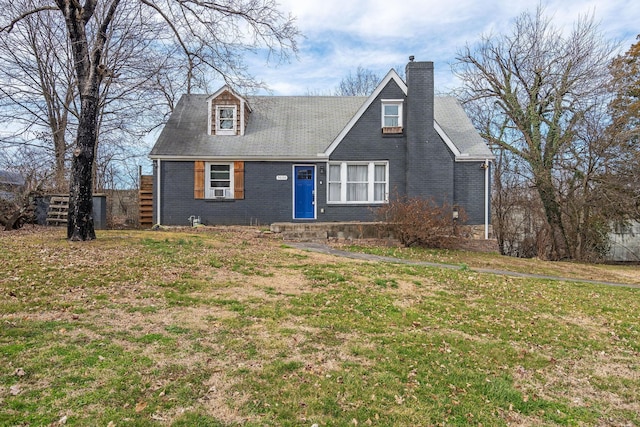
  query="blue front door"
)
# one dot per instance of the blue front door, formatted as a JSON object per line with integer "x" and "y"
{"x": 303, "y": 192}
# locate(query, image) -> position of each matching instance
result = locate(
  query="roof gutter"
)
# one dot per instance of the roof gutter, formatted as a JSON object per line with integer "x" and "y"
{"x": 320, "y": 157}
{"x": 464, "y": 157}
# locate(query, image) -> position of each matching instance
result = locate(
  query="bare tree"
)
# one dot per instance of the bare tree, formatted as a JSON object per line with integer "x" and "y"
{"x": 208, "y": 35}
{"x": 589, "y": 205}
{"x": 38, "y": 88}
{"x": 40, "y": 93}
{"x": 362, "y": 83}
{"x": 624, "y": 129}
{"x": 540, "y": 85}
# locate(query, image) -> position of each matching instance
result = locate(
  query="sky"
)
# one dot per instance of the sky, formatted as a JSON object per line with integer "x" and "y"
{"x": 340, "y": 35}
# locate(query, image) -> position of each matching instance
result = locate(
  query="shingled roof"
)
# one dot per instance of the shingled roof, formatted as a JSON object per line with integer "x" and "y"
{"x": 457, "y": 127}
{"x": 11, "y": 178}
{"x": 293, "y": 128}
{"x": 280, "y": 127}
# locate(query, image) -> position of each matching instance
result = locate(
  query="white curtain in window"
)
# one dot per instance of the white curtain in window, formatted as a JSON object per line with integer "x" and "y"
{"x": 335, "y": 187}
{"x": 357, "y": 186}
{"x": 380, "y": 185}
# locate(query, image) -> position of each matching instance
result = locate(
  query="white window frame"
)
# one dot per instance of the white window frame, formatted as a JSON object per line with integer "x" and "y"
{"x": 388, "y": 102}
{"x": 209, "y": 191}
{"x": 233, "y": 130}
{"x": 371, "y": 168}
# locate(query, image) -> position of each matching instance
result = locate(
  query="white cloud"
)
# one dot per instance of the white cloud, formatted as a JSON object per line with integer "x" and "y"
{"x": 379, "y": 35}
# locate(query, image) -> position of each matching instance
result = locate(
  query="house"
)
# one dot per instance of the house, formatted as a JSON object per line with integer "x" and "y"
{"x": 10, "y": 184}
{"x": 229, "y": 159}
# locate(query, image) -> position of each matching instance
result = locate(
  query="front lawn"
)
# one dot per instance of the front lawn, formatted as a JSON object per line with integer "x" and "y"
{"x": 230, "y": 327}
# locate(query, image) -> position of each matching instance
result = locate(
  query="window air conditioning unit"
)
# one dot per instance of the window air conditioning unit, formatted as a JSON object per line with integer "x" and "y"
{"x": 218, "y": 192}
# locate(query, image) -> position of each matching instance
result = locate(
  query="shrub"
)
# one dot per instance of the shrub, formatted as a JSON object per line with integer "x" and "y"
{"x": 422, "y": 222}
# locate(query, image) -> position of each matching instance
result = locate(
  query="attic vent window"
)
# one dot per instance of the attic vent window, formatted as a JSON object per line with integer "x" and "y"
{"x": 391, "y": 116}
{"x": 226, "y": 120}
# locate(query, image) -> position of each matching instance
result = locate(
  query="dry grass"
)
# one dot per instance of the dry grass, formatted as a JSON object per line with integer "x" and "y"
{"x": 628, "y": 274}
{"x": 228, "y": 327}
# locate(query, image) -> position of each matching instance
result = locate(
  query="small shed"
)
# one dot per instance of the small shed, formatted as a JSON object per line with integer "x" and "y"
{"x": 52, "y": 209}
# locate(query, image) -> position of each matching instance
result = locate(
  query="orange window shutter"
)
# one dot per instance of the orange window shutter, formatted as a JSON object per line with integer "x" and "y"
{"x": 238, "y": 180}
{"x": 198, "y": 180}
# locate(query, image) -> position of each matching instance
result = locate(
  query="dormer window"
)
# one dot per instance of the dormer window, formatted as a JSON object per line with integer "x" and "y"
{"x": 228, "y": 113}
{"x": 391, "y": 116}
{"x": 226, "y": 119}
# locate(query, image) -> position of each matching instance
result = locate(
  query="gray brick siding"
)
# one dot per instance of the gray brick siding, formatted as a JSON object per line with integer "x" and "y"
{"x": 266, "y": 199}
{"x": 469, "y": 190}
{"x": 420, "y": 165}
{"x": 429, "y": 161}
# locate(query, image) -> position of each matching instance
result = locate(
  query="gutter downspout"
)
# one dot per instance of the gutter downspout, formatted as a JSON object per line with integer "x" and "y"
{"x": 158, "y": 192}
{"x": 486, "y": 199}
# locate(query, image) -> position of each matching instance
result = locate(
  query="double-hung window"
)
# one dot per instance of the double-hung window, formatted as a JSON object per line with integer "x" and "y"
{"x": 219, "y": 180}
{"x": 391, "y": 116}
{"x": 380, "y": 191}
{"x": 335, "y": 182}
{"x": 358, "y": 182}
{"x": 226, "y": 120}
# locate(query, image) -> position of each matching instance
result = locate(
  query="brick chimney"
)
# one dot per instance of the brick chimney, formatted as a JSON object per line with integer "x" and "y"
{"x": 429, "y": 162}
{"x": 420, "y": 99}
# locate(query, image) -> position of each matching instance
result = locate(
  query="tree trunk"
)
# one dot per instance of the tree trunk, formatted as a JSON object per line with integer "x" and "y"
{"x": 60, "y": 148}
{"x": 80, "y": 218}
{"x": 89, "y": 75}
{"x": 559, "y": 245}
{"x": 59, "y": 121}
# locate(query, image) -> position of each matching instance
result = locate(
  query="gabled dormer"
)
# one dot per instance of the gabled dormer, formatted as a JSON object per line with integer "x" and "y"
{"x": 228, "y": 112}
{"x": 391, "y": 117}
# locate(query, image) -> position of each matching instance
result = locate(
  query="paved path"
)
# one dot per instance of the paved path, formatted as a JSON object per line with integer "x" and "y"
{"x": 326, "y": 249}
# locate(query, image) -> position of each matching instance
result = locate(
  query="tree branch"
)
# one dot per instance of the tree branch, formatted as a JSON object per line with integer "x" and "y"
{"x": 88, "y": 9}
{"x": 101, "y": 37}
{"x": 12, "y": 24}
